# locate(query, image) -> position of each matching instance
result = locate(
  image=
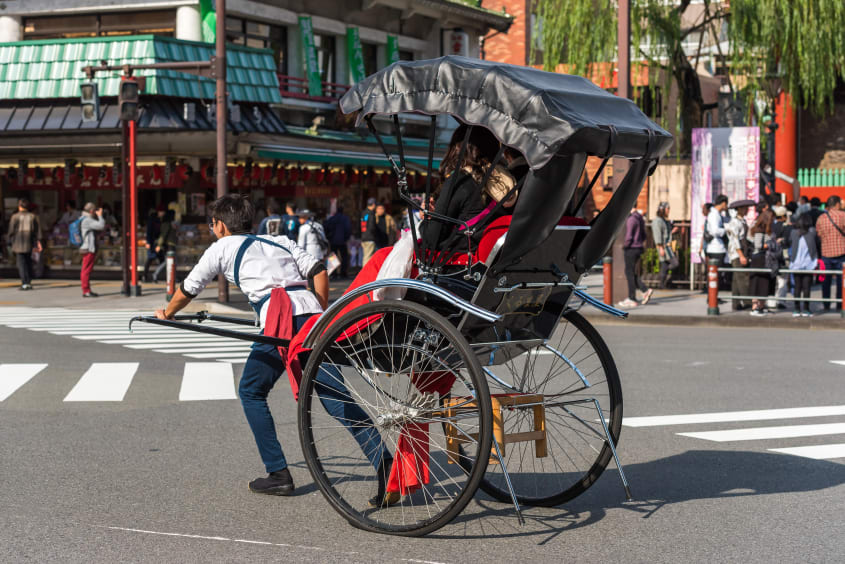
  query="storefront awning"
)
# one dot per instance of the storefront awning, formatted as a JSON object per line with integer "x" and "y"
{"x": 339, "y": 157}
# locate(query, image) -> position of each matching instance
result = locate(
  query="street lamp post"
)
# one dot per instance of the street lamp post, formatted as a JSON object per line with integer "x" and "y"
{"x": 221, "y": 115}
{"x": 620, "y": 165}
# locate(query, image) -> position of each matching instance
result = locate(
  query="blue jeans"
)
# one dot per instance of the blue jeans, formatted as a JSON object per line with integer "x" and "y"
{"x": 833, "y": 264}
{"x": 263, "y": 368}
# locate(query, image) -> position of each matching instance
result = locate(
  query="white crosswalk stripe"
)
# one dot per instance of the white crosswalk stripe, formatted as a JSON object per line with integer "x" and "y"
{"x": 104, "y": 381}
{"x": 110, "y": 381}
{"x": 13, "y": 376}
{"x": 760, "y": 433}
{"x": 207, "y": 381}
{"x": 112, "y": 327}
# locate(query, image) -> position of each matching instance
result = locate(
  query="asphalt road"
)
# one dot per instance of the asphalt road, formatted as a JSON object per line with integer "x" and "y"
{"x": 150, "y": 478}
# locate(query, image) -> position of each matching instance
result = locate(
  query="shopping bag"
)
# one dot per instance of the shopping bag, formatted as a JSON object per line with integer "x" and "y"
{"x": 332, "y": 263}
{"x": 397, "y": 265}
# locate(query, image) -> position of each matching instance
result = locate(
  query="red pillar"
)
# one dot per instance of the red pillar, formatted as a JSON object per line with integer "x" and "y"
{"x": 786, "y": 143}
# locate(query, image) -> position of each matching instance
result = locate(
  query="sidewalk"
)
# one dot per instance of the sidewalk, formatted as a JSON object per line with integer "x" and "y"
{"x": 683, "y": 307}
{"x": 667, "y": 307}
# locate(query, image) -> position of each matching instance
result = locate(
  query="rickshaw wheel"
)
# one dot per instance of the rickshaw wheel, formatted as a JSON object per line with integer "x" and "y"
{"x": 386, "y": 368}
{"x": 576, "y": 451}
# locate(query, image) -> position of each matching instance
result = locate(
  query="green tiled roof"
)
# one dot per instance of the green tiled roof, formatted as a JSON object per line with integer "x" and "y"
{"x": 51, "y": 68}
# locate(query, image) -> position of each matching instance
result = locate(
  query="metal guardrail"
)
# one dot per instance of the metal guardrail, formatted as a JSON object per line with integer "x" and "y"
{"x": 713, "y": 270}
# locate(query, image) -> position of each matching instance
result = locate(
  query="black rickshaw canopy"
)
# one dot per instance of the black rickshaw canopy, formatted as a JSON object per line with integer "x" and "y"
{"x": 538, "y": 113}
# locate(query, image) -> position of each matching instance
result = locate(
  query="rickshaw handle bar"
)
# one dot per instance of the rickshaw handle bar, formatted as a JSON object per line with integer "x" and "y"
{"x": 210, "y": 330}
{"x": 600, "y": 305}
{"x": 427, "y": 287}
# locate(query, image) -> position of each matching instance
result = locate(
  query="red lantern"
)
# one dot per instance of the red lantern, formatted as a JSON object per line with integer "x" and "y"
{"x": 385, "y": 178}
{"x": 58, "y": 175}
{"x": 293, "y": 175}
{"x": 256, "y": 172}
{"x": 306, "y": 174}
{"x": 320, "y": 176}
{"x": 353, "y": 176}
{"x": 281, "y": 175}
{"x": 267, "y": 174}
{"x": 341, "y": 177}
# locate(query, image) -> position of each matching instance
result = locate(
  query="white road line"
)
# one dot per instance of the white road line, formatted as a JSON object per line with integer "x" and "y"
{"x": 104, "y": 381}
{"x": 13, "y": 376}
{"x": 759, "y": 433}
{"x": 839, "y": 362}
{"x": 207, "y": 381}
{"x": 732, "y": 416}
{"x": 817, "y": 452}
{"x": 160, "y": 339}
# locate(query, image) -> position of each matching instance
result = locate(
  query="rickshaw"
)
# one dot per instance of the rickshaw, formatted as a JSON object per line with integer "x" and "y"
{"x": 484, "y": 374}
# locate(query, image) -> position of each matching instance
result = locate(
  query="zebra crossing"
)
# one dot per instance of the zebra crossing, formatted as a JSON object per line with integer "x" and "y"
{"x": 109, "y": 381}
{"x": 112, "y": 327}
{"x": 765, "y": 433}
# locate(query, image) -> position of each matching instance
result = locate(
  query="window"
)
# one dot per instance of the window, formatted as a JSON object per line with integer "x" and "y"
{"x": 158, "y": 22}
{"x": 261, "y": 36}
{"x": 406, "y": 55}
{"x": 370, "y": 53}
{"x": 324, "y": 45}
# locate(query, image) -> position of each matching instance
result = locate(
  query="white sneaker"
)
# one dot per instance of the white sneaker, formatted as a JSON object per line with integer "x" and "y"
{"x": 627, "y": 303}
{"x": 796, "y": 314}
{"x": 806, "y": 314}
{"x": 757, "y": 313}
{"x": 647, "y": 296}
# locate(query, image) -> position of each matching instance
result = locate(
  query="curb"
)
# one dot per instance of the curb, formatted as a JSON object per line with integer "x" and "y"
{"x": 833, "y": 323}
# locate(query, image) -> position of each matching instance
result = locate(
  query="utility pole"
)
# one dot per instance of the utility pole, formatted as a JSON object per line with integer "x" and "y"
{"x": 222, "y": 113}
{"x": 620, "y": 165}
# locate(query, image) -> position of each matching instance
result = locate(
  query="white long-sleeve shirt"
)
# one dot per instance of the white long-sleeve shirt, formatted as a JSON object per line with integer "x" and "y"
{"x": 308, "y": 240}
{"x": 263, "y": 268}
{"x": 716, "y": 228}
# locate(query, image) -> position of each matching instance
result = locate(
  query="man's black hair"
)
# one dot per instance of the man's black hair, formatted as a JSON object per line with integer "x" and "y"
{"x": 273, "y": 206}
{"x": 803, "y": 200}
{"x": 71, "y": 203}
{"x": 791, "y": 207}
{"x": 815, "y": 202}
{"x": 23, "y": 203}
{"x": 720, "y": 199}
{"x": 832, "y": 201}
{"x": 291, "y": 205}
{"x": 235, "y": 211}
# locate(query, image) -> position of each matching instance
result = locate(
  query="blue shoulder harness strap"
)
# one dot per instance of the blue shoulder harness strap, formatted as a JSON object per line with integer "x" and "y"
{"x": 249, "y": 240}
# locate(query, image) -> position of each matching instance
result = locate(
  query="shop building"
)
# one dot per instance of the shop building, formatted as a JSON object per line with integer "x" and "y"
{"x": 286, "y": 137}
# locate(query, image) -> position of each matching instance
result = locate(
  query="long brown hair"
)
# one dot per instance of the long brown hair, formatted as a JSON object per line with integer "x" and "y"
{"x": 482, "y": 147}
{"x": 763, "y": 223}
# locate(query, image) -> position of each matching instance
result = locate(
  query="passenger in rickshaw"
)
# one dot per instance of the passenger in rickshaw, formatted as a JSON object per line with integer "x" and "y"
{"x": 274, "y": 273}
{"x": 470, "y": 190}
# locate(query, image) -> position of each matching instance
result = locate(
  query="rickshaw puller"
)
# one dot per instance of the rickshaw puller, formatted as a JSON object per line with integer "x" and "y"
{"x": 258, "y": 266}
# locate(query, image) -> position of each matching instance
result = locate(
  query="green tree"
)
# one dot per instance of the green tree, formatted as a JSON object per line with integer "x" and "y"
{"x": 800, "y": 41}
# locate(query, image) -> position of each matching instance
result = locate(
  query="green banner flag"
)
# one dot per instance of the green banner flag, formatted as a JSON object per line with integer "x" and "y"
{"x": 208, "y": 17}
{"x": 309, "y": 56}
{"x": 392, "y": 49}
{"x": 355, "y": 55}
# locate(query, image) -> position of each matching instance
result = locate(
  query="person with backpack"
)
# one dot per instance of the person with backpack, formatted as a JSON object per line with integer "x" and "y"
{"x": 803, "y": 255}
{"x": 739, "y": 252}
{"x": 312, "y": 238}
{"x": 24, "y": 236}
{"x": 91, "y": 221}
{"x": 274, "y": 273}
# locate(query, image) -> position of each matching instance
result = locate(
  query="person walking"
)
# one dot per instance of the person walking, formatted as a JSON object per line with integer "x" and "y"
{"x": 803, "y": 255}
{"x": 24, "y": 236}
{"x": 661, "y": 232}
{"x": 714, "y": 230}
{"x": 761, "y": 235}
{"x": 830, "y": 227}
{"x": 272, "y": 209}
{"x": 338, "y": 230}
{"x": 368, "y": 228}
{"x": 290, "y": 222}
{"x": 309, "y": 235}
{"x": 386, "y": 232}
{"x": 166, "y": 242}
{"x": 92, "y": 221}
{"x": 739, "y": 252}
{"x": 633, "y": 248}
{"x": 781, "y": 233}
{"x": 153, "y": 231}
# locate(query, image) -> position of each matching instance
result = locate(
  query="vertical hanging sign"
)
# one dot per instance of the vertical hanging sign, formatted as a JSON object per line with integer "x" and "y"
{"x": 355, "y": 55}
{"x": 392, "y": 49}
{"x": 208, "y": 18}
{"x": 309, "y": 56}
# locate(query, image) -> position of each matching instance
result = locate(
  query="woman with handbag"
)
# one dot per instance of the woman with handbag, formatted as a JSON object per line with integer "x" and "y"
{"x": 661, "y": 232}
{"x": 761, "y": 236}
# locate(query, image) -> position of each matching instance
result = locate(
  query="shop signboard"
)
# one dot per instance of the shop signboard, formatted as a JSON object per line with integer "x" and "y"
{"x": 208, "y": 17}
{"x": 392, "y": 49}
{"x": 355, "y": 55}
{"x": 725, "y": 160}
{"x": 309, "y": 56}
